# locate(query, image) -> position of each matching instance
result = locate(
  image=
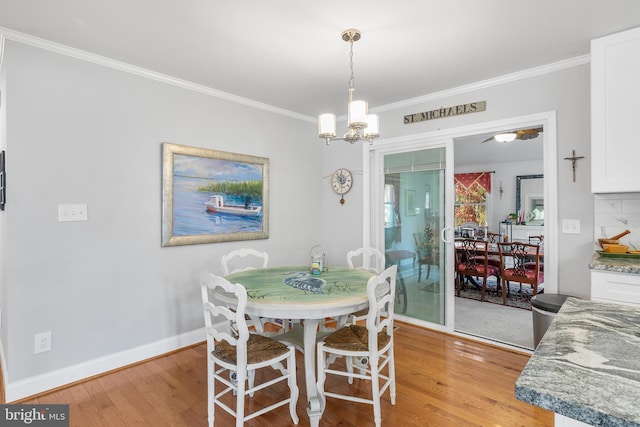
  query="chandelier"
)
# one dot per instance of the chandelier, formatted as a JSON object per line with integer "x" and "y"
{"x": 362, "y": 125}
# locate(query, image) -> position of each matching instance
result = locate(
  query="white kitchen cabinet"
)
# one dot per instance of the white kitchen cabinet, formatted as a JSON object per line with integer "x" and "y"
{"x": 615, "y": 111}
{"x": 619, "y": 288}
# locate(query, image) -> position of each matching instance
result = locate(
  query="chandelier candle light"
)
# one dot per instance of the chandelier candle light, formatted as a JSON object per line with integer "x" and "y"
{"x": 362, "y": 126}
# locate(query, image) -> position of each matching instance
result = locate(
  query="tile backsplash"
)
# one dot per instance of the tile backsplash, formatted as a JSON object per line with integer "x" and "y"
{"x": 614, "y": 213}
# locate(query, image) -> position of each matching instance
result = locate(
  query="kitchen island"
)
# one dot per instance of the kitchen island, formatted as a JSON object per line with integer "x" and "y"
{"x": 587, "y": 366}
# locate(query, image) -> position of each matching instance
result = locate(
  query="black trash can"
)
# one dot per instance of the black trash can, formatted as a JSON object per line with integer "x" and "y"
{"x": 544, "y": 307}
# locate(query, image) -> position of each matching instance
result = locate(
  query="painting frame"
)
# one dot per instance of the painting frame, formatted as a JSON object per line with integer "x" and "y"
{"x": 171, "y": 204}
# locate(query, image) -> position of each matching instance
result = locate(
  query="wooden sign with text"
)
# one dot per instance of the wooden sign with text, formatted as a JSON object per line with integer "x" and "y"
{"x": 456, "y": 110}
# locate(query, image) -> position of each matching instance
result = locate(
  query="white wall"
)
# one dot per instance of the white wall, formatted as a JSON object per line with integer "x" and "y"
{"x": 78, "y": 132}
{"x": 565, "y": 91}
{"x": 341, "y": 225}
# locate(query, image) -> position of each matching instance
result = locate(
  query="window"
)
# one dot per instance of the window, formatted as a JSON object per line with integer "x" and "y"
{"x": 471, "y": 197}
{"x": 389, "y": 206}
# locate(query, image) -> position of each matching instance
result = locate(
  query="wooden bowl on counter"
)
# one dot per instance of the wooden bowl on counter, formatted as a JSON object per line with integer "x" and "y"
{"x": 615, "y": 248}
{"x": 613, "y": 240}
{"x": 604, "y": 242}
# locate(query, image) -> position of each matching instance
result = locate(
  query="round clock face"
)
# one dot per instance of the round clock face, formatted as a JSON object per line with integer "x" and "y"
{"x": 341, "y": 181}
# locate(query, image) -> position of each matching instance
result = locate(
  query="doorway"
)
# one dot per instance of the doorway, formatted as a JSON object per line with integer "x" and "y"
{"x": 409, "y": 211}
{"x": 413, "y": 217}
{"x": 445, "y": 138}
{"x": 488, "y": 202}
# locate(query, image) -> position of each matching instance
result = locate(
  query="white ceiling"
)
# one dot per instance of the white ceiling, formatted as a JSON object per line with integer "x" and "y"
{"x": 471, "y": 150}
{"x": 289, "y": 54}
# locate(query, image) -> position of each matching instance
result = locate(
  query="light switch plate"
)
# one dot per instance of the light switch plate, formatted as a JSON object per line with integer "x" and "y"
{"x": 571, "y": 226}
{"x": 76, "y": 212}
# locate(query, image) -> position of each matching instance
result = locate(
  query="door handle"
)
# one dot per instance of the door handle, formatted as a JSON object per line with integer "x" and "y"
{"x": 442, "y": 236}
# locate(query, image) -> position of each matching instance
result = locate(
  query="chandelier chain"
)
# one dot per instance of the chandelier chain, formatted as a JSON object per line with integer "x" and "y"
{"x": 351, "y": 78}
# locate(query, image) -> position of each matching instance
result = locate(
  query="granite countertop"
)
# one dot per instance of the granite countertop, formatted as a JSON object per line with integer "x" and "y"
{"x": 587, "y": 366}
{"x": 624, "y": 264}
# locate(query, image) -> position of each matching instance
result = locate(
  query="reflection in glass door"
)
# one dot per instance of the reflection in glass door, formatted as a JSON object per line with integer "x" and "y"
{"x": 413, "y": 217}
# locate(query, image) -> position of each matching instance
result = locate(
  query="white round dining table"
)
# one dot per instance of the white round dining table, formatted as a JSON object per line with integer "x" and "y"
{"x": 294, "y": 293}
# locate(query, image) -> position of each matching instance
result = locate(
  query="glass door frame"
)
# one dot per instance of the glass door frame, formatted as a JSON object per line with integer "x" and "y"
{"x": 373, "y": 232}
{"x": 414, "y": 142}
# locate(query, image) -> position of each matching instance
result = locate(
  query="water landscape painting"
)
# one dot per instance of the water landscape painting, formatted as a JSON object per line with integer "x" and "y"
{"x": 213, "y": 196}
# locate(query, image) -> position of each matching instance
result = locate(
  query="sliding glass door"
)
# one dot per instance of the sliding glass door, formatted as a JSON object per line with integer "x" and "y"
{"x": 410, "y": 192}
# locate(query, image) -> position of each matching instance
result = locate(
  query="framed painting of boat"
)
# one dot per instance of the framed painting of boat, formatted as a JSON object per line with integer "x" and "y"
{"x": 211, "y": 196}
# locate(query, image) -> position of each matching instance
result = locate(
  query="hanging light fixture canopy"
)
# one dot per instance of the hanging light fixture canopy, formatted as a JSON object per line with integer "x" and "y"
{"x": 362, "y": 125}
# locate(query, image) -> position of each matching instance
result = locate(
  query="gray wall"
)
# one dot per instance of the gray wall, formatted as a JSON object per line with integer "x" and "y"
{"x": 567, "y": 92}
{"x": 77, "y": 132}
{"x": 82, "y": 133}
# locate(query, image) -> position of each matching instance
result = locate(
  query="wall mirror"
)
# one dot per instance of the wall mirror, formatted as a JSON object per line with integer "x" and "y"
{"x": 530, "y": 198}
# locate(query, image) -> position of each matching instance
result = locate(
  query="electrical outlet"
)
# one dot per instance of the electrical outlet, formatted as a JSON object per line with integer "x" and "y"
{"x": 42, "y": 342}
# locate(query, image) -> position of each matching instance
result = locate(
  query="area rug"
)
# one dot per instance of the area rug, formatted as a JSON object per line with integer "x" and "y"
{"x": 515, "y": 297}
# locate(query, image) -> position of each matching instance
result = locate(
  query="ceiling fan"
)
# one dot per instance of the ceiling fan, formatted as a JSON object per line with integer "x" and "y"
{"x": 522, "y": 134}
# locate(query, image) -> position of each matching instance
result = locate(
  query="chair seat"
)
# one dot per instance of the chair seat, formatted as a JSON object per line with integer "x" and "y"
{"x": 361, "y": 313}
{"x": 510, "y": 275}
{"x": 532, "y": 265}
{"x": 354, "y": 338}
{"x": 492, "y": 270}
{"x": 259, "y": 349}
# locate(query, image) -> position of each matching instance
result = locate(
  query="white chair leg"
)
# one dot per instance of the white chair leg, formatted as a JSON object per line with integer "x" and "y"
{"x": 293, "y": 386}
{"x": 241, "y": 381}
{"x": 392, "y": 376}
{"x": 375, "y": 392}
{"x": 251, "y": 376}
{"x": 330, "y": 359}
{"x": 321, "y": 362}
{"x": 349, "y": 362}
{"x": 211, "y": 392}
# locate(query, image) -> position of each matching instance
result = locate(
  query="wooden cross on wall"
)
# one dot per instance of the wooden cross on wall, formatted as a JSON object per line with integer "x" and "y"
{"x": 573, "y": 163}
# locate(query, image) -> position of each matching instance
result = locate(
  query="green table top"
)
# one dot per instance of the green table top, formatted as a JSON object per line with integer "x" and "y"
{"x": 291, "y": 285}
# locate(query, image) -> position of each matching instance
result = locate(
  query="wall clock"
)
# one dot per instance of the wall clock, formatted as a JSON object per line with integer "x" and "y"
{"x": 341, "y": 182}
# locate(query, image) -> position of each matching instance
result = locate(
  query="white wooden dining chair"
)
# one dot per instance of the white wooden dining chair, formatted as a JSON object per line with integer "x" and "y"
{"x": 368, "y": 259}
{"x": 515, "y": 257}
{"x": 370, "y": 345}
{"x": 234, "y": 355}
{"x": 243, "y": 259}
{"x": 249, "y": 259}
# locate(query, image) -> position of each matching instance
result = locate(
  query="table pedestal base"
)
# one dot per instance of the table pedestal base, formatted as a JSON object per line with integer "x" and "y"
{"x": 304, "y": 339}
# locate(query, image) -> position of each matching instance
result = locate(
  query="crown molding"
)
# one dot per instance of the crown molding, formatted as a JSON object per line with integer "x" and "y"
{"x": 30, "y": 40}
{"x": 507, "y": 78}
{"x": 142, "y": 72}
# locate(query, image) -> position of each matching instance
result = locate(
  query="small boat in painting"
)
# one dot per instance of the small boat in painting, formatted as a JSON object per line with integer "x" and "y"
{"x": 216, "y": 204}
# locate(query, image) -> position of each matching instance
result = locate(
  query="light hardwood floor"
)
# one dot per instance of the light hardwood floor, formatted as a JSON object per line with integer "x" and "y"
{"x": 442, "y": 380}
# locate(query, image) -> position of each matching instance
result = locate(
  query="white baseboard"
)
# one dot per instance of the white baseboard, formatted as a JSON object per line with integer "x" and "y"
{"x": 50, "y": 380}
